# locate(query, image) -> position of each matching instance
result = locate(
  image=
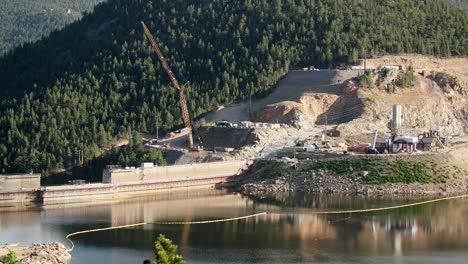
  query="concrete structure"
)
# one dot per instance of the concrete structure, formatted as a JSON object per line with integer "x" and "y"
{"x": 19, "y": 182}
{"x": 19, "y": 188}
{"x": 404, "y": 144}
{"x": 390, "y": 67}
{"x": 129, "y": 182}
{"x": 147, "y": 165}
{"x": 362, "y": 67}
{"x": 18, "y": 197}
{"x": 174, "y": 173}
{"x": 106, "y": 192}
{"x": 396, "y": 117}
{"x": 121, "y": 182}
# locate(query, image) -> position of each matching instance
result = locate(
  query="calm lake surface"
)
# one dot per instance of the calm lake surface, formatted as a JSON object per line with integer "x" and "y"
{"x": 432, "y": 233}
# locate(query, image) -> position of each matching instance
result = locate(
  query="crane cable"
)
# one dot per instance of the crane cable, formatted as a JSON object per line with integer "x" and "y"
{"x": 68, "y": 237}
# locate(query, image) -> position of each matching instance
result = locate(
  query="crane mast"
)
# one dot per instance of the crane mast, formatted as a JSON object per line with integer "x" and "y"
{"x": 182, "y": 100}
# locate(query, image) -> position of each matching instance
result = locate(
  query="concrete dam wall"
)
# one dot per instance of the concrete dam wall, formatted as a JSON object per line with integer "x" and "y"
{"x": 19, "y": 187}
{"x": 174, "y": 173}
{"x": 121, "y": 183}
{"x": 19, "y": 182}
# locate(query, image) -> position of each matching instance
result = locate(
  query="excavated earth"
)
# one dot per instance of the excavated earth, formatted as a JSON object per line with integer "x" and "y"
{"x": 427, "y": 105}
{"x": 311, "y": 101}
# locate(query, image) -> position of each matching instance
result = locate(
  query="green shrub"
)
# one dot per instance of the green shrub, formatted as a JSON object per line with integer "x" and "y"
{"x": 10, "y": 258}
{"x": 341, "y": 165}
{"x": 380, "y": 171}
{"x": 401, "y": 171}
{"x": 446, "y": 80}
{"x": 406, "y": 79}
{"x": 273, "y": 169}
{"x": 366, "y": 80}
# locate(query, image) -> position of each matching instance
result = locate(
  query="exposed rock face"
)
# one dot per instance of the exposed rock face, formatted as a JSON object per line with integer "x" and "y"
{"x": 286, "y": 112}
{"x": 50, "y": 253}
{"x": 322, "y": 181}
{"x": 438, "y": 100}
{"x": 426, "y": 106}
{"x": 340, "y": 105}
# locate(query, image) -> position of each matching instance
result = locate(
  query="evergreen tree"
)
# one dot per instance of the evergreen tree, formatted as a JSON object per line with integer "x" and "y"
{"x": 166, "y": 251}
{"x": 29, "y": 20}
{"x": 89, "y": 84}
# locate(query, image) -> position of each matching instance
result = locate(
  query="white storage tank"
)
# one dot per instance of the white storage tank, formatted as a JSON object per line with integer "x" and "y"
{"x": 396, "y": 116}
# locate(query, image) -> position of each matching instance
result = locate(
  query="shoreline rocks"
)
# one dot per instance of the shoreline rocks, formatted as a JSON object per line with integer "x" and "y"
{"x": 50, "y": 253}
{"x": 322, "y": 181}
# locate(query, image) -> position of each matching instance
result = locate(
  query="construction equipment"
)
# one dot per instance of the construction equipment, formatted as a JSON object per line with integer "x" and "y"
{"x": 182, "y": 100}
{"x": 372, "y": 149}
{"x": 327, "y": 145}
{"x": 432, "y": 141}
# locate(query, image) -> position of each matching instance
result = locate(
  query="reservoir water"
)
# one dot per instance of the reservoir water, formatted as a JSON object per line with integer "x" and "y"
{"x": 290, "y": 233}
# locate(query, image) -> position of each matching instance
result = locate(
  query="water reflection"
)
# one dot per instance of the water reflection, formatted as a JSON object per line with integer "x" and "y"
{"x": 290, "y": 233}
{"x": 427, "y": 227}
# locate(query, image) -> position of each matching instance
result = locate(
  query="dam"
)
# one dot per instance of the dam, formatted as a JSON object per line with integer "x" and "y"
{"x": 121, "y": 182}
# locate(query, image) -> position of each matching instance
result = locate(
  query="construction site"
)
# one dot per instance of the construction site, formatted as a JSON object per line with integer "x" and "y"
{"x": 369, "y": 109}
{"x": 331, "y": 111}
{"x": 386, "y": 105}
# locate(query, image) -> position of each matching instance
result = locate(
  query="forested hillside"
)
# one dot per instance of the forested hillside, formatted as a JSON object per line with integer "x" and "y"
{"x": 98, "y": 79}
{"x": 29, "y": 20}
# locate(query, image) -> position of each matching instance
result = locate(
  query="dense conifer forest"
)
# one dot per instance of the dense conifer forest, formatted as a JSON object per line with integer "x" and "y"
{"x": 29, "y": 20}
{"x": 463, "y": 4}
{"x": 98, "y": 79}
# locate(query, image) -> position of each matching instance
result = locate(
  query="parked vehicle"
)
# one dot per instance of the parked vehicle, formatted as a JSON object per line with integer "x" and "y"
{"x": 223, "y": 123}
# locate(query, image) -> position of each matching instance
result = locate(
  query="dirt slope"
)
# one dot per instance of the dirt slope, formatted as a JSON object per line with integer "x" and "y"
{"x": 457, "y": 66}
{"x": 427, "y": 105}
{"x": 291, "y": 89}
{"x": 311, "y": 101}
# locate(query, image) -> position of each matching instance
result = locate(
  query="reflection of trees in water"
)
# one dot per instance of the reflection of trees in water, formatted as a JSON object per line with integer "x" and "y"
{"x": 336, "y": 201}
{"x": 424, "y": 227}
{"x": 274, "y": 232}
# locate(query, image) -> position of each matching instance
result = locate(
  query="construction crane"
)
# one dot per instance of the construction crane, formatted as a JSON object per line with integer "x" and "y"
{"x": 182, "y": 100}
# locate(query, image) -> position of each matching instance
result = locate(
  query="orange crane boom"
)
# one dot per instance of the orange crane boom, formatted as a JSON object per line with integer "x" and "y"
{"x": 182, "y": 100}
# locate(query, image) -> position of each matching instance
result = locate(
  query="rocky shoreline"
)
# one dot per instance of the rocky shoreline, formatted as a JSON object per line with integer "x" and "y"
{"x": 323, "y": 181}
{"x": 50, "y": 253}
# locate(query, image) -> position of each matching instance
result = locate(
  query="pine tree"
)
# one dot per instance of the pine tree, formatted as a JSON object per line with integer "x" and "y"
{"x": 166, "y": 252}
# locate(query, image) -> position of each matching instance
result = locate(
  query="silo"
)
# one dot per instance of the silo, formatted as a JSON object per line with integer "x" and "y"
{"x": 397, "y": 117}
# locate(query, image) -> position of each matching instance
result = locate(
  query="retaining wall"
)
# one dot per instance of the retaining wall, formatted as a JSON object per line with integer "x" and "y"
{"x": 175, "y": 172}
{"x": 19, "y": 182}
{"x": 118, "y": 183}
{"x": 18, "y": 197}
{"x": 109, "y": 191}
